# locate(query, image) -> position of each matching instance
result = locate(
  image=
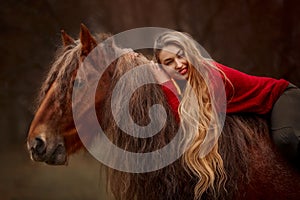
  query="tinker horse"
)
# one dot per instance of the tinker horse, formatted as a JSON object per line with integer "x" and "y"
{"x": 254, "y": 168}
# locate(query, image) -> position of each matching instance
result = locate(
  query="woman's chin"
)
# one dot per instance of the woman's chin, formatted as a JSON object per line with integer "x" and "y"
{"x": 181, "y": 77}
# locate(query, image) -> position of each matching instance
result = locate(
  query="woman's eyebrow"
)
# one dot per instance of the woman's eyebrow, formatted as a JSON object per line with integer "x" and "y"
{"x": 179, "y": 52}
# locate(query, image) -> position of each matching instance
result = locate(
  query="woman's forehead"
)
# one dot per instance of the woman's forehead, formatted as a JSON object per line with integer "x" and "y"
{"x": 171, "y": 48}
{"x": 164, "y": 55}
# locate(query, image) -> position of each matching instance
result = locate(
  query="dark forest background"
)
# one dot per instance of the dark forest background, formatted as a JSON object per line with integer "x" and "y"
{"x": 257, "y": 37}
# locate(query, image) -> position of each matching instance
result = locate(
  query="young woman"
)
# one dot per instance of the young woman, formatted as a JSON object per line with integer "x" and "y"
{"x": 177, "y": 54}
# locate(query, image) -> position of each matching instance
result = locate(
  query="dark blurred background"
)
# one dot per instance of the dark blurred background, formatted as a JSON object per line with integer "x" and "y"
{"x": 257, "y": 37}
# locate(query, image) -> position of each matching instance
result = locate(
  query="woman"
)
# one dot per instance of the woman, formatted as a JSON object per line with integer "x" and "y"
{"x": 180, "y": 61}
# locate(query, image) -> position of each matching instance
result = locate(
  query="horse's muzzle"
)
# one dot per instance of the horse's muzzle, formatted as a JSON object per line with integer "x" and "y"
{"x": 50, "y": 154}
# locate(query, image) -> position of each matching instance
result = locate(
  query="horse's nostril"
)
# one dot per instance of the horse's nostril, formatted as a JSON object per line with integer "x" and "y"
{"x": 39, "y": 146}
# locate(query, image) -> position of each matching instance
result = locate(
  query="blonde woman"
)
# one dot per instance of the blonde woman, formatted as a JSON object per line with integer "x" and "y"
{"x": 180, "y": 61}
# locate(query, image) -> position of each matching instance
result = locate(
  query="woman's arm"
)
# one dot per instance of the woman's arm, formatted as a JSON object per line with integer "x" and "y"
{"x": 168, "y": 88}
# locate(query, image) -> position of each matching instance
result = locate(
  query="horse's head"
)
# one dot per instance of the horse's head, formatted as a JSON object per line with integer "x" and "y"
{"x": 52, "y": 134}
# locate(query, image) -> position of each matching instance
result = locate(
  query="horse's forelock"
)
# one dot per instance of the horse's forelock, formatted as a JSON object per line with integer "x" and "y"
{"x": 63, "y": 67}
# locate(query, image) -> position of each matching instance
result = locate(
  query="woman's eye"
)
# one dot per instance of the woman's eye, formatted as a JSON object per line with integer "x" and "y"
{"x": 168, "y": 62}
{"x": 78, "y": 83}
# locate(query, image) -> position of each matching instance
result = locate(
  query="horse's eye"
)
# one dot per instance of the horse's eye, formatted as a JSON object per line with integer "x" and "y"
{"x": 78, "y": 83}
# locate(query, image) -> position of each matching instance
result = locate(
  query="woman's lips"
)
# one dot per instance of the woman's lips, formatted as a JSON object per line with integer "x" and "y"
{"x": 183, "y": 71}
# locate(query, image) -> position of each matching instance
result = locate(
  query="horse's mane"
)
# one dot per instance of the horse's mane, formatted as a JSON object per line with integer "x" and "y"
{"x": 130, "y": 185}
{"x": 241, "y": 133}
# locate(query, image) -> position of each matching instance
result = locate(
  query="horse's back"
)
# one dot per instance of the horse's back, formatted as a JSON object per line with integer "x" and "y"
{"x": 256, "y": 168}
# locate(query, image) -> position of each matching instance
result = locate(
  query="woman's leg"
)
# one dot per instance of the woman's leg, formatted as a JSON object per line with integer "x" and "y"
{"x": 285, "y": 124}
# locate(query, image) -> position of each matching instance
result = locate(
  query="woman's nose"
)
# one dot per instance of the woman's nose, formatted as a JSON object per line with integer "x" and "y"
{"x": 178, "y": 63}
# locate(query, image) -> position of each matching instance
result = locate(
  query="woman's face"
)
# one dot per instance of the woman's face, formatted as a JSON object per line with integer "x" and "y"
{"x": 173, "y": 62}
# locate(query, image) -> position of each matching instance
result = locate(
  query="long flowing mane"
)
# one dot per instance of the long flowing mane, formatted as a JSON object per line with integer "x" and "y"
{"x": 169, "y": 181}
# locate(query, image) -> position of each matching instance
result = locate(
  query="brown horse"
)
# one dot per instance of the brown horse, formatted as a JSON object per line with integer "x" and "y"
{"x": 254, "y": 168}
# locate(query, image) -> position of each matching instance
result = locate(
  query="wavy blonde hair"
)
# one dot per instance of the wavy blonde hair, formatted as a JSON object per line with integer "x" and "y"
{"x": 198, "y": 124}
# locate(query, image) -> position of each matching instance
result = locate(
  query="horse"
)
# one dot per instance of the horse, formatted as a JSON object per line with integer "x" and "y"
{"x": 254, "y": 167}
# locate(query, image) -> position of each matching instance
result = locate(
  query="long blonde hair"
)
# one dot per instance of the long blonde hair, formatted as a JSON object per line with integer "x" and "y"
{"x": 196, "y": 124}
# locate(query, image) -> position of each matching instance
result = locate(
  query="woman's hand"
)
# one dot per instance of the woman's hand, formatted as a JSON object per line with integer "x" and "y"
{"x": 160, "y": 75}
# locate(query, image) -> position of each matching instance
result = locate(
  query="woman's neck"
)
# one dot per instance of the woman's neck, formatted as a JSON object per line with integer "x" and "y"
{"x": 181, "y": 84}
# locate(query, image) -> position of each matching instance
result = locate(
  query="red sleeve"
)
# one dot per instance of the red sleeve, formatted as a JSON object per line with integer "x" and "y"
{"x": 249, "y": 93}
{"x": 171, "y": 94}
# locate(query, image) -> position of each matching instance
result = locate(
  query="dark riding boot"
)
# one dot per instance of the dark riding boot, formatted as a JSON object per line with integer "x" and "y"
{"x": 288, "y": 144}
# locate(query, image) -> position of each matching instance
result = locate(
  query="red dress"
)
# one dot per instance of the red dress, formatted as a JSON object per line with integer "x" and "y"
{"x": 249, "y": 94}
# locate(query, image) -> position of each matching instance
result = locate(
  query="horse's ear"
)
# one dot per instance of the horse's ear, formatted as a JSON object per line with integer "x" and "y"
{"x": 88, "y": 42}
{"x": 66, "y": 39}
